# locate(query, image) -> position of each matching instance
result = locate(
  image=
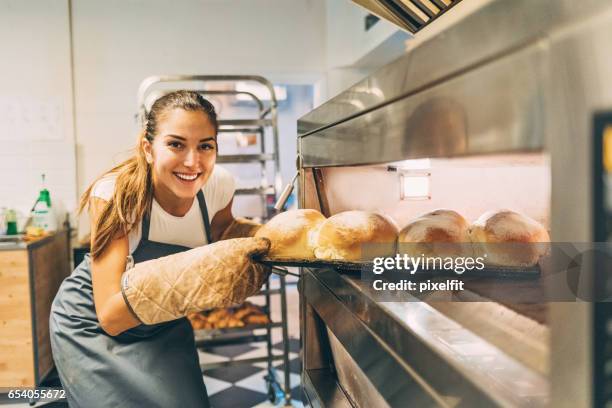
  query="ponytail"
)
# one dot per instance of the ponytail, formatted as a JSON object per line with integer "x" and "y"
{"x": 131, "y": 198}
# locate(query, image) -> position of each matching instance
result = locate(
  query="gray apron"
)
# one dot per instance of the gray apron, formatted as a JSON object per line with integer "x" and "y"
{"x": 146, "y": 366}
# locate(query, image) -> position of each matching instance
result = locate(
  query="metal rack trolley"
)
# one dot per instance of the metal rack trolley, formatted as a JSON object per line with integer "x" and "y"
{"x": 266, "y": 119}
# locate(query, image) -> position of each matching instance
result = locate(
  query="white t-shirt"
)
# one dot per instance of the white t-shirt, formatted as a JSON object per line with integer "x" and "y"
{"x": 187, "y": 230}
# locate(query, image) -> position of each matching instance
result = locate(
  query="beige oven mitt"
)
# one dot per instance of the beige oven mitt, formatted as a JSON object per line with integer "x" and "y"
{"x": 241, "y": 227}
{"x": 216, "y": 275}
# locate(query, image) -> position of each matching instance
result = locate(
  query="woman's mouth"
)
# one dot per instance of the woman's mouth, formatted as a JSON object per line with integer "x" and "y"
{"x": 187, "y": 177}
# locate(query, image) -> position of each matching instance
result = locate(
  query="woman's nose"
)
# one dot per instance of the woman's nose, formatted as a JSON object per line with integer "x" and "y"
{"x": 191, "y": 157}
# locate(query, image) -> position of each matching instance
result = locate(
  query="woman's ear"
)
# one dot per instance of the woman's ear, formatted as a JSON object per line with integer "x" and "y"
{"x": 147, "y": 148}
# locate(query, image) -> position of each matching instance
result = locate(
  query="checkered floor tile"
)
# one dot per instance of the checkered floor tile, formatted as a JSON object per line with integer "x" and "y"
{"x": 245, "y": 385}
{"x": 236, "y": 397}
{"x": 230, "y": 351}
{"x": 294, "y": 345}
{"x": 233, "y": 373}
{"x": 295, "y": 366}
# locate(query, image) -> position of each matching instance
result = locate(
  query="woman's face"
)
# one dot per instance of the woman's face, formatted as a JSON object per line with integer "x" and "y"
{"x": 182, "y": 154}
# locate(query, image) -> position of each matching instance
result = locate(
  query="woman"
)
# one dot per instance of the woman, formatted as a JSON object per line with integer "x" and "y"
{"x": 156, "y": 204}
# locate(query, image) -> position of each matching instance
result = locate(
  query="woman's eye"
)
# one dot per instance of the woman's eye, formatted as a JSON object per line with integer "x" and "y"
{"x": 207, "y": 146}
{"x": 175, "y": 145}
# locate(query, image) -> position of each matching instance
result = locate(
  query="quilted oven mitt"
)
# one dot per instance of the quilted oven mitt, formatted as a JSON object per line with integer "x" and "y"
{"x": 216, "y": 275}
{"x": 241, "y": 227}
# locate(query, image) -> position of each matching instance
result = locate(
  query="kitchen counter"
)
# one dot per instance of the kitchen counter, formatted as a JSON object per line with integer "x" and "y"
{"x": 30, "y": 275}
{"x": 16, "y": 242}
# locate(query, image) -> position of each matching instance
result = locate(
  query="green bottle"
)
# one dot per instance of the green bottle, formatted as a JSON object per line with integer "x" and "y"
{"x": 42, "y": 213}
{"x": 11, "y": 222}
{"x": 44, "y": 193}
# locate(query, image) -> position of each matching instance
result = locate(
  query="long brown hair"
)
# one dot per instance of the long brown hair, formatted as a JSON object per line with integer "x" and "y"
{"x": 133, "y": 191}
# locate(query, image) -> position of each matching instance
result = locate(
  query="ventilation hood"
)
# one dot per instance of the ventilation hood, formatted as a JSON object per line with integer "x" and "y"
{"x": 409, "y": 15}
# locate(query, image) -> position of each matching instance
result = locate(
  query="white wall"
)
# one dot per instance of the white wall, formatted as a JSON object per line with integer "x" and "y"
{"x": 119, "y": 43}
{"x": 352, "y": 52}
{"x": 347, "y": 39}
{"x": 36, "y": 129}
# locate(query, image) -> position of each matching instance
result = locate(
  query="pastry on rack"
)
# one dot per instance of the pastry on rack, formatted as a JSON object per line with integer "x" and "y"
{"x": 224, "y": 318}
{"x": 216, "y": 316}
{"x": 229, "y": 321}
{"x": 507, "y": 238}
{"x": 246, "y": 309}
{"x": 289, "y": 233}
{"x": 197, "y": 320}
{"x": 257, "y": 319}
{"x": 355, "y": 236}
{"x": 439, "y": 233}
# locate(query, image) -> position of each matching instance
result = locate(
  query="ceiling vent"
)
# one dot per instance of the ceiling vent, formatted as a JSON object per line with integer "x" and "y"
{"x": 409, "y": 15}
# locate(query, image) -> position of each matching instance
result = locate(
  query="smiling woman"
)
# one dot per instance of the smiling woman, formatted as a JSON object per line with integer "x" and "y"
{"x": 165, "y": 200}
{"x": 182, "y": 156}
{"x": 178, "y": 139}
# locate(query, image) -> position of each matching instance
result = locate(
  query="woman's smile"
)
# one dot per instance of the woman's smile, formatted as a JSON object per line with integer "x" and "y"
{"x": 187, "y": 177}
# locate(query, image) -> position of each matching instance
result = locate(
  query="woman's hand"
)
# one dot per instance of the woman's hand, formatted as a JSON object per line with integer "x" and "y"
{"x": 106, "y": 270}
{"x": 221, "y": 221}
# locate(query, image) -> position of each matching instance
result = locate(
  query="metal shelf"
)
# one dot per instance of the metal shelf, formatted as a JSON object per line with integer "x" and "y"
{"x": 245, "y": 122}
{"x": 245, "y": 158}
{"x": 233, "y": 335}
{"x": 253, "y": 360}
{"x": 255, "y": 191}
{"x": 268, "y": 292}
{"x": 211, "y": 333}
{"x": 241, "y": 130}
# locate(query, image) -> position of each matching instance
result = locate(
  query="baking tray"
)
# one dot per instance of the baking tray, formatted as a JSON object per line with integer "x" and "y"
{"x": 314, "y": 263}
{"x": 507, "y": 272}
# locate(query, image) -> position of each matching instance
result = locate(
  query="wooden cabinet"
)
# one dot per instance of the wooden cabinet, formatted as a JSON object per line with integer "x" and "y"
{"x": 30, "y": 275}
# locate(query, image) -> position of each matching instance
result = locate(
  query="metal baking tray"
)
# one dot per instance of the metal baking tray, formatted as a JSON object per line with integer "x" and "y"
{"x": 314, "y": 263}
{"x": 508, "y": 272}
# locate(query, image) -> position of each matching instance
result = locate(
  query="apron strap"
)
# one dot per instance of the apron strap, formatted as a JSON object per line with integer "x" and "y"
{"x": 146, "y": 221}
{"x": 204, "y": 211}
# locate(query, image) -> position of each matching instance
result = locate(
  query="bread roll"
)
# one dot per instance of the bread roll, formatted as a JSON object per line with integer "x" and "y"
{"x": 507, "y": 238}
{"x": 440, "y": 233}
{"x": 342, "y": 236}
{"x": 288, "y": 232}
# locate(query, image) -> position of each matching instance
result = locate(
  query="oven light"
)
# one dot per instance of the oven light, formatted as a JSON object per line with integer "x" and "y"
{"x": 413, "y": 164}
{"x": 415, "y": 185}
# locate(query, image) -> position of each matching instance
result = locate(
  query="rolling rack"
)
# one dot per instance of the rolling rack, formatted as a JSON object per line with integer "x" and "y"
{"x": 155, "y": 86}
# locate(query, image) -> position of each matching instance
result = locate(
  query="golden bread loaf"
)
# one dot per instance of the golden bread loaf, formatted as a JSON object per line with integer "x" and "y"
{"x": 442, "y": 233}
{"x": 289, "y": 233}
{"x": 342, "y": 236}
{"x": 507, "y": 238}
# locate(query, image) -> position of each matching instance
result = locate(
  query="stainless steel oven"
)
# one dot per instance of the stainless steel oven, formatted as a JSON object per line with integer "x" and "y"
{"x": 505, "y": 108}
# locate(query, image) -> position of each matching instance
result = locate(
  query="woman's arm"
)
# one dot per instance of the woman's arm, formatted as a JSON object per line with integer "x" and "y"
{"x": 111, "y": 309}
{"x": 221, "y": 221}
